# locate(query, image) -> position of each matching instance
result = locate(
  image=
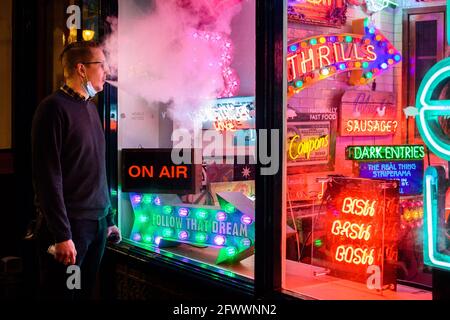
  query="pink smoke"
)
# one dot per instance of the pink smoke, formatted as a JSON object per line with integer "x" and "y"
{"x": 178, "y": 53}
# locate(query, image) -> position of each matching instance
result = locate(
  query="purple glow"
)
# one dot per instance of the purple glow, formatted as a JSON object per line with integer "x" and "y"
{"x": 158, "y": 240}
{"x": 136, "y": 199}
{"x": 333, "y": 39}
{"x": 137, "y": 237}
{"x": 183, "y": 235}
{"x": 246, "y": 242}
{"x": 158, "y": 201}
{"x": 246, "y": 219}
{"x": 221, "y": 216}
{"x": 219, "y": 240}
{"x": 183, "y": 212}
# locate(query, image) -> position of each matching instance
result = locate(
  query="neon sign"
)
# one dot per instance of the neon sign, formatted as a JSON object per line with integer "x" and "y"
{"x": 368, "y": 113}
{"x": 222, "y": 42}
{"x": 311, "y": 144}
{"x": 318, "y": 12}
{"x": 303, "y": 148}
{"x": 164, "y": 221}
{"x": 366, "y": 53}
{"x": 378, "y": 5}
{"x": 435, "y": 231}
{"x": 369, "y": 127}
{"x": 408, "y": 173}
{"x": 228, "y": 114}
{"x": 430, "y": 109}
{"x": 360, "y": 228}
{"x": 400, "y": 152}
{"x": 152, "y": 170}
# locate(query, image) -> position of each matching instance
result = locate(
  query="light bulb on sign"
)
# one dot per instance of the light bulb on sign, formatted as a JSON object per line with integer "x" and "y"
{"x": 88, "y": 35}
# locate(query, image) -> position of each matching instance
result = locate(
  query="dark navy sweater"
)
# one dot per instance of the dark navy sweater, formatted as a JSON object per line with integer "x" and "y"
{"x": 68, "y": 158}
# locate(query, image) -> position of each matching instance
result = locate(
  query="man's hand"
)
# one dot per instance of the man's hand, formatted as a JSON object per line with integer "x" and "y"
{"x": 65, "y": 252}
{"x": 114, "y": 234}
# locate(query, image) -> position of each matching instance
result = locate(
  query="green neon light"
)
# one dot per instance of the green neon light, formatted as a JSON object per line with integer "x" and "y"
{"x": 200, "y": 237}
{"x": 164, "y": 223}
{"x": 231, "y": 251}
{"x": 229, "y": 208}
{"x": 431, "y": 252}
{"x": 147, "y": 199}
{"x": 406, "y": 152}
{"x": 167, "y": 233}
{"x": 201, "y": 214}
{"x": 448, "y": 22}
{"x": 430, "y": 109}
{"x": 167, "y": 209}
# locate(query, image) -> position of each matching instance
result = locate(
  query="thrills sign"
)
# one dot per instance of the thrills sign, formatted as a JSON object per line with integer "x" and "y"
{"x": 164, "y": 221}
{"x": 360, "y": 228}
{"x": 366, "y": 53}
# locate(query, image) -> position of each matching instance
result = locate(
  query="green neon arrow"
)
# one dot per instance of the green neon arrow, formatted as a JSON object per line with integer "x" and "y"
{"x": 435, "y": 250}
{"x": 163, "y": 220}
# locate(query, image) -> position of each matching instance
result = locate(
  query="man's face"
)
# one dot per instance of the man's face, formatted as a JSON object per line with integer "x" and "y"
{"x": 97, "y": 69}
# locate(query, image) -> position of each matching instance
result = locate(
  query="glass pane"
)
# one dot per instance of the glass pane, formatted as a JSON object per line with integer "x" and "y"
{"x": 422, "y": 67}
{"x": 186, "y": 72}
{"x": 355, "y": 203}
{"x": 426, "y": 38}
{"x": 5, "y": 73}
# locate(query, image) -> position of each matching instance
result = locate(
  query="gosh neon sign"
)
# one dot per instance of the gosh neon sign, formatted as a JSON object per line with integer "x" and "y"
{"x": 366, "y": 53}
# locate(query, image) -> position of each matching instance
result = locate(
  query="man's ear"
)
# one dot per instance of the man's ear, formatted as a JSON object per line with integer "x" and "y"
{"x": 81, "y": 70}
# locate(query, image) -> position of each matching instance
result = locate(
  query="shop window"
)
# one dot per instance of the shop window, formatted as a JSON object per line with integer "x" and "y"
{"x": 425, "y": 36}
{"x": 69, "y": 21}
{"x": 186, "y": 72}
{"x": 354, "y": 193}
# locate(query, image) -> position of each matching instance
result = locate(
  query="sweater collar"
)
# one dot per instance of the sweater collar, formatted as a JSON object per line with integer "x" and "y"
{"x": 72, "y": 93}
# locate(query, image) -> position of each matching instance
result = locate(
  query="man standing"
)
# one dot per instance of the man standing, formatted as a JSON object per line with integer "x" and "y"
{"x": 69, "y": 176}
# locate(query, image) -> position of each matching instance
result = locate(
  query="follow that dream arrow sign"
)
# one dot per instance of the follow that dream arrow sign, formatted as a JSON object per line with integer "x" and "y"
{"x": 365, "y": 52}
{"x": 164, "y": 221}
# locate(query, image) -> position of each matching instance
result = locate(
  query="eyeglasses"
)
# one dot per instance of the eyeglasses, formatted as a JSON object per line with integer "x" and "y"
{"x": 103, "y": 63}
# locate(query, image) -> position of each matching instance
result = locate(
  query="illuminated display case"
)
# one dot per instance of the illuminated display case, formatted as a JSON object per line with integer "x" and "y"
{"x": 342, "y": 218}
{"x": 365, "y": 213}
{"x": 187, "y": 93}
